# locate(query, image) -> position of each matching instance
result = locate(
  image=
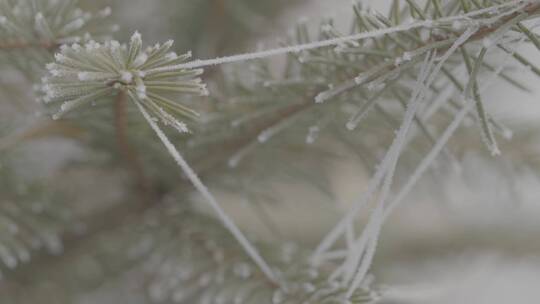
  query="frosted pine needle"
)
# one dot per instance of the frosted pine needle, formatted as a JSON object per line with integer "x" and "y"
{"x": 84, "y": 74}
{"x": 205, "y": 192}
{"x": 354, "y": 38}
{"x": 417, "y": 97}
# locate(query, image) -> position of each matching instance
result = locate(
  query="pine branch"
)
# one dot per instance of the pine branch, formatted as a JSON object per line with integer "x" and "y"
{"x": 367, "y": 69}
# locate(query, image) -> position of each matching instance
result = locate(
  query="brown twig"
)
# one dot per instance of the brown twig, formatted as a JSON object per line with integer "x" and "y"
{"x": 128, "y": 153}
{"x": 27, "y": 45}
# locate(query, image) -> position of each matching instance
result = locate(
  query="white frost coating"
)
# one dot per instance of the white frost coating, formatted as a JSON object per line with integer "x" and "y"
{"x": 339, "y": 229}
{"x": 442, "y": 60}
{"x": 136, "y": 38}
{"x": 227, "y": 221}
{"x": 407, "y": 56}
{"x": 272, "y": 131}
{"x": 8, "y": 259}
{"x": 462, "y": 39}
{"x": 321, "y": 97}
{"x": 106, "y": 12}
{"x": 170, "y": 56}
{"x": 349, "y": 235}
{"x": 141, "y": 91}
{"x": 140, "y": 60}
{"x": 41, "y": 25}
{"x": 339, "y": 40}
{"x": 426, "y": 162}
{"x": 73, "y": 26}
{"x": 313, "y": 134}
{"x": 417, "y": 97}
{"x": 420, "y": 170}
{"x": 126, "y": 77}
{"x": 335, "y": 91}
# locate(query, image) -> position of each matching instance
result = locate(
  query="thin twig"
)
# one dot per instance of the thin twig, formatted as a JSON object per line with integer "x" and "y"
{"x": 28, "y": 45}
{"x": 130, "y": 156}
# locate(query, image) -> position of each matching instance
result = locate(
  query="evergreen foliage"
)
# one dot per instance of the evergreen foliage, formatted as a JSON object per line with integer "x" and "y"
{"x": 393, "y": 90}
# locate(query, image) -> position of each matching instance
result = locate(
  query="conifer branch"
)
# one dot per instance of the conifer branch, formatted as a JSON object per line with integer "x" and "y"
{"x": 529, "y": 9}
{"x": 332, "y": 84}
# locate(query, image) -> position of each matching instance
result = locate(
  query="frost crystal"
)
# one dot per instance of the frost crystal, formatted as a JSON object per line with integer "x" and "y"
{"x": 126, "y": 77}
{"x": 83, "y": 74}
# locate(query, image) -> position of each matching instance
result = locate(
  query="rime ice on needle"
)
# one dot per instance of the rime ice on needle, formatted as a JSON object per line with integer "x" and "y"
{"x": 84, "y": 74}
